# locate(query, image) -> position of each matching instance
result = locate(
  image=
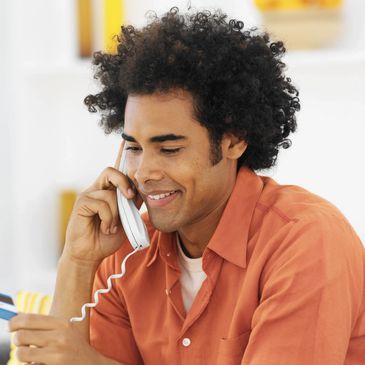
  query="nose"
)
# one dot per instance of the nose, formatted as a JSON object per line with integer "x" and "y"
{"x": 146, "y": 167}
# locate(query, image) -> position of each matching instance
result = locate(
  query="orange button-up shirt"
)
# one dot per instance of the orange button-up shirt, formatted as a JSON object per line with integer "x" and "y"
{"x": 285, "y": 286}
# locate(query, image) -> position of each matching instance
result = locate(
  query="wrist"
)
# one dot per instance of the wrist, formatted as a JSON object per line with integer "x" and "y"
{"x": 76, "y": 264}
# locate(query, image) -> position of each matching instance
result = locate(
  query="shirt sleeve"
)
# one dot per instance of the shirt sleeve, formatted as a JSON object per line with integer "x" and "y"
{"x": 310, "y": 295}
{"x": 110, "y": 329}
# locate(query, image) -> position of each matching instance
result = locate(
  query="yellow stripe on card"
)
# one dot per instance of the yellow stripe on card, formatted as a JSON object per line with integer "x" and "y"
{"x": 113, "y": 18}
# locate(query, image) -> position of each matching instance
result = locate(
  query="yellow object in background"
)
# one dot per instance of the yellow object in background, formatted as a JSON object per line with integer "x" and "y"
{"x": 98, "y": 22}
{"x": 113, "y": 19}
{"x": 29, "y": 302}
{"x": 66, "y": 202}
{"x": 302, "y": 24}
{"x": 84, "y": 15}
{"x": 296, "y": 4}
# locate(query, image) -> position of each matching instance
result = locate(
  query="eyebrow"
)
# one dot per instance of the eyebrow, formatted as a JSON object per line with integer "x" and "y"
{"x": 156, "y": 139}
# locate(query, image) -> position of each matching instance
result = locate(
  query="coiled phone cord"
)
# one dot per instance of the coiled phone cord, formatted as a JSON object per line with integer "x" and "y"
{"x": 103, "y": 291}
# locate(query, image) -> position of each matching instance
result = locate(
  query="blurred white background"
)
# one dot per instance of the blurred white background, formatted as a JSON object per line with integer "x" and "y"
{"x": 49, "y": 142}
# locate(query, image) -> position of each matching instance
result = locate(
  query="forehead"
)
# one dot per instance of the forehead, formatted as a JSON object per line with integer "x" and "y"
{"x": 160, "y": 113}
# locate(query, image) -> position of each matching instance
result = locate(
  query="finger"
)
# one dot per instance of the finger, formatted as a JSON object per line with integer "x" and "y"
{"x": 110, "y": 198}
{"x": 119, "y": 156}
{"x": 35, "y": 321}
{"x": 127, "y": 194}
{"x": 88, "y": 207}
{"x": 110, "y": 179}
{"x": 39, "y": 338}
{"x": 29, "y": 354}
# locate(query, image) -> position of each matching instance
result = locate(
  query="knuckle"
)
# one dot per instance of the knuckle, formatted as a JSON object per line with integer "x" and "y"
{"x": 59, "y": 358}
{"x": 82, "y": 197}
{"x": 16, "y": 339}
{"x": 109, "y": 170}
{"x": 22, "y": 353}
{"x": 66, "y": 324}
{"x": 19, "y": 337}
{"x": 25, "y": 320}
{"x": 104, "y": 205}
{"x": 62, "y": 340}
{"x": 79, "y": 199}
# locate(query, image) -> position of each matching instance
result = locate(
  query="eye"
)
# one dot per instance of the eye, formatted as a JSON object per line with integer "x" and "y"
{"x": 133, "y": 149}
{"x": 170, "y": 151}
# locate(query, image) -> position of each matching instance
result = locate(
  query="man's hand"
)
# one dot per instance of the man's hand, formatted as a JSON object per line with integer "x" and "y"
{"x": 51, "y": 340}
{"x": 94, "y": 230}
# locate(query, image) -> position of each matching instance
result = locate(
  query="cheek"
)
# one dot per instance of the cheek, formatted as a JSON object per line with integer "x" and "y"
{"x": 208, "y": 184}
{"x": 131, "y": 161}
{"x": 201, "y": 186}
{"x": 189, "y": 174}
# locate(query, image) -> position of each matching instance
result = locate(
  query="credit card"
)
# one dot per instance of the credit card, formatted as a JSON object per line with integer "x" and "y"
{"x": 7, "y": 307}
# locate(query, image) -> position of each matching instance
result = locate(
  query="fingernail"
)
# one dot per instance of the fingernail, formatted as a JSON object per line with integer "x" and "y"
{"x": 114, "y": 229}
{"x": 107, "y": 231}
{"x": 130, "y": 192}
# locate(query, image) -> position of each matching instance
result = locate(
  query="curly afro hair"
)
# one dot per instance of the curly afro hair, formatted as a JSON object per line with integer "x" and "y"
{"x": 234, "y": 75}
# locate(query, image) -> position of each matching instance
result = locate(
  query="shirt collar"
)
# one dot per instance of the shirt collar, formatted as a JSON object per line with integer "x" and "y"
{"x": 165, "y": 244}
{"x": 231, "y": 235}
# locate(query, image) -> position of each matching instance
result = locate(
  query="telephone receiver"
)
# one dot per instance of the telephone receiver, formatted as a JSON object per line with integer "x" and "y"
{"x": 132, "y": 222}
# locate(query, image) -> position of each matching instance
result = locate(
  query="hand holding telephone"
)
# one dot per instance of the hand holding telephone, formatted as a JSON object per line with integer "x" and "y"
{"x": 132, "y": 222}
{"x": 135, "y": 231}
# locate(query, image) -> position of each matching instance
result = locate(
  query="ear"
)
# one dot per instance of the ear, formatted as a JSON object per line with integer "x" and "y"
{"x": 233, "y": 147}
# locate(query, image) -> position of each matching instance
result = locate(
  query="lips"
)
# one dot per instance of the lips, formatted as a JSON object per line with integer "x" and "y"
{"x": 160, "y": 199}
{"x": 160, "y": 196}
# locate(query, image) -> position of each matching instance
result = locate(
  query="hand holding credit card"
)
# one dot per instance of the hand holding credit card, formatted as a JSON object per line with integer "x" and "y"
{"x": 7, "y": 307}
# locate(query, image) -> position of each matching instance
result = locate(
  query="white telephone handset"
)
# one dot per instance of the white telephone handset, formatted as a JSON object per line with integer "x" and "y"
{"x": 132, "y": 222}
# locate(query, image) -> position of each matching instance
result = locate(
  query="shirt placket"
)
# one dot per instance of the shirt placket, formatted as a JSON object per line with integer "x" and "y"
{"x": 187, "y": 344}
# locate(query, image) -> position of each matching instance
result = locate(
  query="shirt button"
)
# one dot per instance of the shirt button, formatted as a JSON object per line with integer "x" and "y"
{"x": 168, "y": 254}
{"x": 186, "y": 342}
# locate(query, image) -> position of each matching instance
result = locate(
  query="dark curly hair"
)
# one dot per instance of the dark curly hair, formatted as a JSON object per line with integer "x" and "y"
{"x": 234, "y": 75}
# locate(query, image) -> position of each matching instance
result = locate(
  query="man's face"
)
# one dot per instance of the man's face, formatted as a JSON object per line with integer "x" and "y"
{"x": 169, "y": 161}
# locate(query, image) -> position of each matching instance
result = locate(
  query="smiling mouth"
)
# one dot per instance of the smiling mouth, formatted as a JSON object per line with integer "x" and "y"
{"x": 161, "y": 196}
{"x": 160, "y": 200}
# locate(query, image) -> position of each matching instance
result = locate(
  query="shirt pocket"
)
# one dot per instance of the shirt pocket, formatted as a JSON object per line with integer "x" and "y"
{"x": 231, "y": 350}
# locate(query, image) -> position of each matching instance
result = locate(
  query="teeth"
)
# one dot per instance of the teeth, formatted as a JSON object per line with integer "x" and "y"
{"x": 160, "y": 196}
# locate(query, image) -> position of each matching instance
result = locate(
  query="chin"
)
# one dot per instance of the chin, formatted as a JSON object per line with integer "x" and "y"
{"x": 163, "y": 225}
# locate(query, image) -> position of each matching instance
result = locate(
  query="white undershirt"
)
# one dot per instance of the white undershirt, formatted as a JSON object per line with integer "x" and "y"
{"x": 192, "y": 276}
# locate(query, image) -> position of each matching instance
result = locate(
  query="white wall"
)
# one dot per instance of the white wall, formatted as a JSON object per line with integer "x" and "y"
{"x": 49, "y": 141}
{"x": 6, "y": 139}
{"x": 328, "y": 149}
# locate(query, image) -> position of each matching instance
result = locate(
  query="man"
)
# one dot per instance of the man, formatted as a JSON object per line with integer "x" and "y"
{"x": 240, "y": 270}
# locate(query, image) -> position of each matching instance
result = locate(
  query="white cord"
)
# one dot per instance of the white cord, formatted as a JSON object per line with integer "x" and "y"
{"x": 103, "y": 291}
